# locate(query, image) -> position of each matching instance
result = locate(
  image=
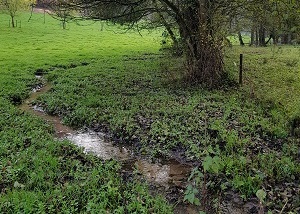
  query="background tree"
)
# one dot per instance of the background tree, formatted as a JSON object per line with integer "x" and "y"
{"x": 288, "y": 13}
{"x": 272, "y": 19}
{"x": 13, "y": 6}
{"x": 202, "y": 25}
{"x": 60, "y": 10}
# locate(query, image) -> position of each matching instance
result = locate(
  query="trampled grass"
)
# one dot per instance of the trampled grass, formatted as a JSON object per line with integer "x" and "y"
{"x": 122, "y": 83}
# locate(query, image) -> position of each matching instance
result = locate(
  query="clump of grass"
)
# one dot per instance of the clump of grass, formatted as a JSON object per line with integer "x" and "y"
{"x": 292, "y": 62}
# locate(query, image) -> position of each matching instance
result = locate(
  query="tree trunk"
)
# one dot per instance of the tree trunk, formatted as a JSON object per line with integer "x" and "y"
{"x": 241, "y": 39}
{"x": 64, "y": 23}
{"x": 267, "y": 42}
{"x": 12, "y": 21}
{"x": 290, "y": 38}
{"x": 256, "y": 37}
{"x": 203, "y": 50}
{"x": 31, "y": 12}
{"x": 284, "y": 39}
{"x": 276, "y": 38}
{"x": 44, "y": 16}
{"x": 252, "y": 36}
{"x": 262, "y": 36}
{"x": 204, "y": 53}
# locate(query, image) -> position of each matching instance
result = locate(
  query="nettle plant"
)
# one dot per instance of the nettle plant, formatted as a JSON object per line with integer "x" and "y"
{"x": 199, "y": 181}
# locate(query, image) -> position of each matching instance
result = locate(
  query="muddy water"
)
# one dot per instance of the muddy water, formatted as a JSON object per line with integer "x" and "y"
{"x": 171, "y": 173}
{"x": 60, "y": 129}
{"x": 166, "y": 173}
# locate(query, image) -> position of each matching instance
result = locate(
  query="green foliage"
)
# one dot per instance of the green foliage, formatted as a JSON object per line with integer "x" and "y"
{"x": 190, "y": 195}
{"x": 221, "y": 126}
{"x": 39, "y": 174}
{"x": 212, "y": 164}
{"x": 261, "y": 195}
{"x": 242, "y": 135}
{"x": 275, "y": 83}
{"x": 192, "y": 191}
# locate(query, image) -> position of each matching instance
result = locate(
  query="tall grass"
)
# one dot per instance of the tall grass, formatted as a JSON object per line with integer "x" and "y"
{"x": 271, "y": 74}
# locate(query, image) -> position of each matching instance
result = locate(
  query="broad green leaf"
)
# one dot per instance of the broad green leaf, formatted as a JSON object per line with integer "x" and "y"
{"x": 197, "y": 202}
{"x": 261, "y": 195}
{"x": 207, "y": 162}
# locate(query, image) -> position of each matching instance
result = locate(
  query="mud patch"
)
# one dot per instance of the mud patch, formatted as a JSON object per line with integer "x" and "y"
{"x": 167, "y": 173}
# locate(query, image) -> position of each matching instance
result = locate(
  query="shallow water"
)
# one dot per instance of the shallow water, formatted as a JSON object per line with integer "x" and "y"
{"x": 96, "y": 144}
{"x": 171, "y": 173}
{"x": 168, "y": 173}
{"x": 61, "y": 130}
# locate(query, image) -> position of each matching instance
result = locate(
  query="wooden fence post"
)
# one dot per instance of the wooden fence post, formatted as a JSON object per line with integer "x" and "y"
{"x": 241, "y": 70}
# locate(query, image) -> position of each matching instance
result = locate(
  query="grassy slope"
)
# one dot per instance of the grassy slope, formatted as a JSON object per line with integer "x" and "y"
{"x": 37, "y": 173}
{"x": 273, "y": 74}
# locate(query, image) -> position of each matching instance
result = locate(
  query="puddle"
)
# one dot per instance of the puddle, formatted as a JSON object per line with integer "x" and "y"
{"x": 172, "y": 173}
{"x": 96, "y": 144}
{"x": 165, "y": 174}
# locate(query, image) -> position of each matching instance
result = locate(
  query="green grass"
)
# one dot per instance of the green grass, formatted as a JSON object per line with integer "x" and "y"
{"x": 131, "y": 89}
{"x": 163, "y": 118}
{"x": 273, "y": 74}
{"x": 39, "y": 174}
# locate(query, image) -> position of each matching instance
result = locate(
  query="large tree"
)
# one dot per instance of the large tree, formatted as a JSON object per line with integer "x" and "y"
{"x": 199, "y": 23}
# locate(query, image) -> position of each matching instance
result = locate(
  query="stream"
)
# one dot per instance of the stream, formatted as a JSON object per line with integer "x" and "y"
{"x": 166, "y": 174}
{"x": 168, "y": 177}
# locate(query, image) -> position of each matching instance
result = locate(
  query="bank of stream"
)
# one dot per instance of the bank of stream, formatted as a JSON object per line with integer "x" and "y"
{"x": 166, "y": 176}
{"x": 163, "y": 176}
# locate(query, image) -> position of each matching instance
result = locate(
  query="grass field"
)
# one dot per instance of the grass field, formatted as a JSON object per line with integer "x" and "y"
{"x": 38, "y": 173}
{"x": 240, "y": 138}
